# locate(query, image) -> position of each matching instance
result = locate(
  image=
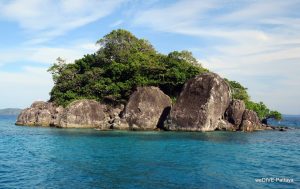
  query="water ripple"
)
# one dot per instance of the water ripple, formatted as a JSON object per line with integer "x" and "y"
{"x": 71, "y": 158}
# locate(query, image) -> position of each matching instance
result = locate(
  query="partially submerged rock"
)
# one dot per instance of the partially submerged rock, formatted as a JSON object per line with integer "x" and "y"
{"x": 39, "y": 114}
{"x": 79, "y": 114}
{"x": 250, "y": 121}
{"x": 147, "y": 108}
{"x": 201, "y": 105}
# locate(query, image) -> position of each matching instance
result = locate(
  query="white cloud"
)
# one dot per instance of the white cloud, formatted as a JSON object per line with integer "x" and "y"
{"x": 255, "y": 42}
{"x": 50, "y": 18}
{"x": 24, "y": 87}
{"x": 46, "y": 54}
{"x": 178, "y": 15}
{"x": 116, "y": 24}
{"x": 33, "y": 82}
{"x": 43, "y": 21}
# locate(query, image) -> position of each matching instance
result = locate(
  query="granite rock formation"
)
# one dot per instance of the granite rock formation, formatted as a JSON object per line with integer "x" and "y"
{"x": 234, "y": 113}
{"x": 201, "y": 105}
{"x": 250, "y": 121}
{"x": 39, "y": 114}
{"x": 225, "y": 125}
{"x": 85, "y": 114}
{"x": 147, "y": 108}
{"x": 78, "y": 114}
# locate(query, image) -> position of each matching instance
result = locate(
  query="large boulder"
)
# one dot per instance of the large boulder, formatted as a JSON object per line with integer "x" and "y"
{"x": 78, "y": 114}
{"x": 39, "y": 114}
{"x": 235, "y": 111}
{"x": 147, "y": 109}
{"x": 250, "y": 121}
{"x": 201, "y": 105}
{"x": 85, "y": 114}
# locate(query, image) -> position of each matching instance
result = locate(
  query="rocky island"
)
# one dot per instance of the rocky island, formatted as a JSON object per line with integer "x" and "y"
{"x": 127, "y": 85}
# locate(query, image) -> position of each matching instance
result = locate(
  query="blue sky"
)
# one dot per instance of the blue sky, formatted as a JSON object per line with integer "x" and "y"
{"x": 254, "y": 42}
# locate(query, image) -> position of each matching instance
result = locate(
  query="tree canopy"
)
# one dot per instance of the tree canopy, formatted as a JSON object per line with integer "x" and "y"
{"x": 122, "y": 63}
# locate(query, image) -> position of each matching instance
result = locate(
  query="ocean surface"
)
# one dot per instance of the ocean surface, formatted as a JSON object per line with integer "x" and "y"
{"x": 73, "y": 158}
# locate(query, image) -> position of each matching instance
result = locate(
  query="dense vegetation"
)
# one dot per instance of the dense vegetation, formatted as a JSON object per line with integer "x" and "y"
{"x": 122, "y": 63}
{"x": 125, "y": 62}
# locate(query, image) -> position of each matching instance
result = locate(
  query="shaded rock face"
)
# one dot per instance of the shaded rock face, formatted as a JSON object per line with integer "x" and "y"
{"x": 235, "y": 111}
{"x": 201, "y": 105}
{"x": 116, "y": 120}
{"x": 39, "y": 114}
{"x": 146, "y": 109}
{"x": 250, "y": 121}
{"x": 85, "y": 114}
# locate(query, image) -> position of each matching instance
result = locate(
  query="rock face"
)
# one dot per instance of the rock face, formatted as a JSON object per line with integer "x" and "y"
{"x": 224, "y": 125}
{"x": 39, "y": 114}
{"x": 147, "y": 108}
{"x": 79, "y": 114}
{"x": 235, "y": 111}
{"x": 116, "y": 122}
{"x": 85, "y": 114}
{"x": 250, "y": 121}
{"x": 201, "y": 105}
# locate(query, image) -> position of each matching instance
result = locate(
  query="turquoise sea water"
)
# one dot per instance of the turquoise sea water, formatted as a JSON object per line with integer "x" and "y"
{"x": 73, "y": 158}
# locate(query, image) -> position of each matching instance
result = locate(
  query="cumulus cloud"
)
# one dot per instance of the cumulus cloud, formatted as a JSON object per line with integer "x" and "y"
{"x": 46, "y": 54}
{"x": 31, "y": 81}
{"x": 255, "y": 42}
{"x": 23, "y": 67}
{"x": 24, "y": 86}
{"x": 51, "y": 18}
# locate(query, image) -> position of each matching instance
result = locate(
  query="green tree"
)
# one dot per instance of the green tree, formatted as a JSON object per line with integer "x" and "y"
{"x": 263, "y": 111}
{"x": 120, "y": 44}
{"x": 238, "y": 91}
{"x": 57, "y": 68}
{"x": 122, "y": 63}
{"x": 185, "y": 56}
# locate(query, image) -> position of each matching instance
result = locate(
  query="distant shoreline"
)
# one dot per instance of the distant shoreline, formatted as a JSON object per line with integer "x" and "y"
{"x": 10, "y": 111}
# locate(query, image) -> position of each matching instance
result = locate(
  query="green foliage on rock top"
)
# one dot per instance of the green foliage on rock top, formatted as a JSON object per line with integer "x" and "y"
{"x": 263, "y": 111}
{"x": 122, "y": 63}
{"x": 240, "y": 92}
